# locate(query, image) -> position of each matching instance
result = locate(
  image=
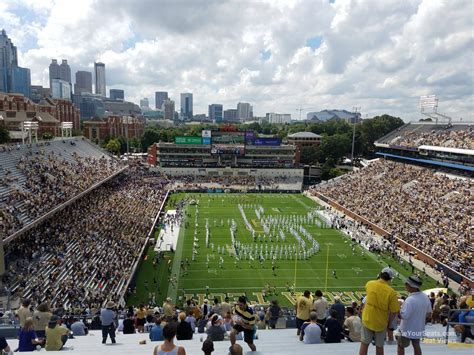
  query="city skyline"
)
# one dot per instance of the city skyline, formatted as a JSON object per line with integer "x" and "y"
{"x": 318, "y": 54}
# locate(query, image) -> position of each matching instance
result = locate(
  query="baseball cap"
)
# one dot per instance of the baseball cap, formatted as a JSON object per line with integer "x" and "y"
{"x": 389, "y": 272}
{"x": 414, "y": 281}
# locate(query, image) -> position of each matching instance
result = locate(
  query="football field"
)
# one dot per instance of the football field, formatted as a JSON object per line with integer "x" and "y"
{"x": 267, "y": 246}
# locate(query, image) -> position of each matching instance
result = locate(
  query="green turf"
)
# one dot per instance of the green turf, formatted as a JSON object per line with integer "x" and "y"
{"x": 352, "y": 271}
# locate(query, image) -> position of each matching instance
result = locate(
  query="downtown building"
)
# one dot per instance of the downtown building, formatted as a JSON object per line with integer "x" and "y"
{"x": 186, "y": 112}
{"x": 244, "y": 111}
{"x": 216, "y": 113}
{"x": 83, "y": 82}
{"x": 117, "y": 94}
{"x": 60, "y": 79}
{"x": 100, "y": 86}
{"x": 160, "y": 97}
{"x": 13, "y": 79}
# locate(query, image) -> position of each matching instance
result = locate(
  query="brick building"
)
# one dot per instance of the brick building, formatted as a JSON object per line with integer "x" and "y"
{"x": 63, "y": 110}
{"x": 101, "y": 129}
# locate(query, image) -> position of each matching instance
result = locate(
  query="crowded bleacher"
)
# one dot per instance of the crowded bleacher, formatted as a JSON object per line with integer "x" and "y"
{"x": 36, "y": 178}
{"x": 427, "y": 209}
{"x": 87, "y": 251}
{"x": 414, "y": 135}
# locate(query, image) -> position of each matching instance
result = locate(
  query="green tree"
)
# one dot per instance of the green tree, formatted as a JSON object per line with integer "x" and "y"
{"x": 310, "y": 155}
{"x": 4, "y": 135}
{"x": 373, "y": 129}
{"x": 113, "y": 146}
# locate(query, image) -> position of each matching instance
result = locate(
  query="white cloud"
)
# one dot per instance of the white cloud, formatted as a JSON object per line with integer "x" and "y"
{"x": 380, "y": 55}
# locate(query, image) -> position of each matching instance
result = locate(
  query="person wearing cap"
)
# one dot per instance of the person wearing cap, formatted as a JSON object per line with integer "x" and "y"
{"x": 207, "y": 347}
{"x": 108, "y": 317}
{"x": 381, "y": 306}
{"x": 414, "y": 313}
{"x": 245, "y": 322}
{"x": 205, "y": 309}
{"x": 56, "y": 336}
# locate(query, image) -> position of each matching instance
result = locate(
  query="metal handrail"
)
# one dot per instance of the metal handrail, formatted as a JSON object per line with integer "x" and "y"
{"x": 448, "y": 323}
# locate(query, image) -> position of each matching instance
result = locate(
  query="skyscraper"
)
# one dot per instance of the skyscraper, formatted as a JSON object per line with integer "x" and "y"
{"x": 230, "y": 115}
{"x": 144, "y": 103}
{"x": 13, "y": 78}
{"x": 244, "y": 111}
{"x": 83, "y": 82}
{"x": 117, "y": 94}
{"x": 160, "y": 97}
{"x": 186, "y": 112}
{"x": 215, "y": 113}
{"x": 61, "y": 89}
{"x": 100, "y": 88}
{"x": 65, "y": 71}
{"x": 53, "y": 71}
{"x": 168, "y": 108}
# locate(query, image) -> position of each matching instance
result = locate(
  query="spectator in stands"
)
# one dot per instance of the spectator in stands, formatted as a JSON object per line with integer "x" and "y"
{"x": 5, "y": 347}
{"x": 141, "y": 318}
{"x": 273, "y": 313}
{"x": 236, "y": 349}
{"x": 312, "y": 332}
{"x": 108, "y": 316}
{"x": 444, "y": 311}
{"x": 41, "y": 318}
{"x": 340, "y": 309}
{"x": 56, "y": 336}
{"x": 207, "y": 347}
{"x": 415, "y": 311}
{"x": 437, "y": 307}
{"x": 216, "y": 308}
{"x": 217, "y": 330}
{"x": 225, "y": 307}
{"x": 168, "y": 347}
{"x": 333, "y": 327}
{"x": 191, "y": 320}
{"x": 129, "y": 324}
{"x": 244, "y": 322}
{"x": 168, "y": 309}
{"x": 467, "y": 317}
{"x": 352, "y": 325}
{"x": 156, "y": 332}
{"x": 205, "y": 309}
{"x": 24, "y": 312}
{"x": 320, "y": 306}
{"x": 303, "y": 307}
{"x": 27, "y": 337}
{"x": 78, "y": 328}
{"x": 183, "y": 329}
{"x": 381, "y": 305}
{"x": 228, "y": 322}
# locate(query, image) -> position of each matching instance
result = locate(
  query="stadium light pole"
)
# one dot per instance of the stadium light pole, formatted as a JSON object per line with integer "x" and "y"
{"x": 355, "y": 110}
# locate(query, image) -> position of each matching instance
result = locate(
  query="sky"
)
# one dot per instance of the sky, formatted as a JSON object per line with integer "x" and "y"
{"x": 378, "y": 55}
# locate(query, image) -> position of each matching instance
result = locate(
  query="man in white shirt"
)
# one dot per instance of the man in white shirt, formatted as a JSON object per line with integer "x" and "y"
{"x": 352, "y": 325}
{"x": 311, "y": 331}
{"x": 413, "y": 314}
{"x": 320, "y": 306}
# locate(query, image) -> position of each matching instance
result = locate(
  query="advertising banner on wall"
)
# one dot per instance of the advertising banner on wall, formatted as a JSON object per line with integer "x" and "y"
{"x": 206, "y": 133}
{"x": 187, "y": 140}
{"x": 206, "y": 140}
{"x": 267, "y": 141}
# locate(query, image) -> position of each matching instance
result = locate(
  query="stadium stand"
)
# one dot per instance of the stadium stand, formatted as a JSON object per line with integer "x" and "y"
{"x": 427, "y": 209}
{"x": 85, "y": 254}
{"x": 36, "y": 178}
{"x": 413, "y": 135}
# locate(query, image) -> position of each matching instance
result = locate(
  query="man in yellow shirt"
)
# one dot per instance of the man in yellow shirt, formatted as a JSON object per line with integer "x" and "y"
{"x": 380, "y": 307}
{"x": 303, "y": 308}
{"x": 56, "y": 336}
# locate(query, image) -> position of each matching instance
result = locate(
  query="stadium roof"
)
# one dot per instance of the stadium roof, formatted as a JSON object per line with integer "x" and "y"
{"x": 447, "y": 150}
{"x": 304, "y": 135}
{"x": 432, "y": 162}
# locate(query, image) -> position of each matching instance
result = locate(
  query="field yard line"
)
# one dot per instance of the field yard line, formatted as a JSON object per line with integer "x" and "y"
{"x": 177, "y": 257}
{"x": 301, "y": 202}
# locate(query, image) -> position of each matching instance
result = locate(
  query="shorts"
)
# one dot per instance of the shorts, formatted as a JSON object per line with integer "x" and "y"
{"x": 367, "y": 335}
{"x": 140, "y": 322}
{"x": 248, "y": 333}
{"x": 404, "y": 342}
